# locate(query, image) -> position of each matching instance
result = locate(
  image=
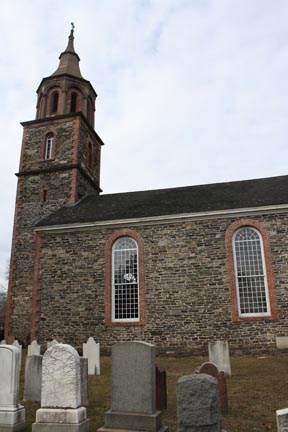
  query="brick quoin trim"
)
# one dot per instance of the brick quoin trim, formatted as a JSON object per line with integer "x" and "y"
{"x": 9, "y": 303}
{"x": 108, "y": 278}
{"x": 269, "y": 270}
{"x": 36, "y": 291}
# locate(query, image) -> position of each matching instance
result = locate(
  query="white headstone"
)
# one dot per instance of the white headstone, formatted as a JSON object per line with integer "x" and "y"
{"x": 12, "y": 415}
{"x": 33, "y": 348}
{"x": 51, "y": 343}
{"x": 91, "y": 351}
{"x": 219, "y": 355}
{"x": 282, "y": 420}
{"x": 61, "y": 392}
{"x": 3, "y": 342}
{"x": 17, "y": 345}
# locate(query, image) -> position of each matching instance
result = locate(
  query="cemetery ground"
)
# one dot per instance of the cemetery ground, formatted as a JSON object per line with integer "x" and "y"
{"x": 257, "y": 388}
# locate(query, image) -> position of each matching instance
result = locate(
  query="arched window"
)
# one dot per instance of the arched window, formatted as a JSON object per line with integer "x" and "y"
{"x": 73, "y": 104}
{"x": 251, "y": 280}
{"x": 54, "y": 102}
{"x": 253, "y": 295}
{"x": 125, "y": 289}
{"x": 49, "y": 146}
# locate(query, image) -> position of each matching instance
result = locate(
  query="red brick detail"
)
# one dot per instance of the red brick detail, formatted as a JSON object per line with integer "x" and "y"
{"x": 108, "y": 278}
{"x": 11, "y": 284}
{"x": 75, "y": 160}
{"x": 269, "y": 270}
{"x": 37, "y": 286}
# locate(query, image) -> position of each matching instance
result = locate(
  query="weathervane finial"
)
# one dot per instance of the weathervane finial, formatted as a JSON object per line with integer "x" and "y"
{"x": 73, "y": 26}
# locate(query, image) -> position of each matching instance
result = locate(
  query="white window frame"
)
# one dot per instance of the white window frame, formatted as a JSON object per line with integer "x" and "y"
{"x": 49, "y": 144}
{"x": 251, "y": 314}
{"x": 124, "y": 320}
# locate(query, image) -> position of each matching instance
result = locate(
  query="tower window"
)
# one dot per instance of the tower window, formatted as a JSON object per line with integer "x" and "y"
{"x": 49, "y": 146}
{"x": 73, "y": 105}
{"x": 54, "y": 102}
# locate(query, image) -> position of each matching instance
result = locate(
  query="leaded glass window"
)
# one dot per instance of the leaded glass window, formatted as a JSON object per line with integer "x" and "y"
{"x": 125, "y": 289}
{"x": 250, "y": 273}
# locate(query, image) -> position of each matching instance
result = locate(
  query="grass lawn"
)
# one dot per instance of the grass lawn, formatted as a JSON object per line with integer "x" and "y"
{"x": 257, "y": 388}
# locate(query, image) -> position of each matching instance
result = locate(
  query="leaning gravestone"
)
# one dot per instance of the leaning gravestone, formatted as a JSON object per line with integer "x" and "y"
{"x": 198, "y": 404}
{"x": 12, "y": 415}
{"x": 33, "y": 378}
{"x": 133, "y": 405}
{"x": 33, "y": 348}
{"x": 91, "y": 351}
{"x": 61, "y": 409}
{"x": 211, "y": 369}
{"x": 219, "y": 355}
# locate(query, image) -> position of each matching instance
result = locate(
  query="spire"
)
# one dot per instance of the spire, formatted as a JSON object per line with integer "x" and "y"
{"x": 69, "y": 59}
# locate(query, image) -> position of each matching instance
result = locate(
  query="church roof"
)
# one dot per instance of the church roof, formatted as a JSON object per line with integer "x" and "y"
{"x": 69, "y": 60}
{"x": 168, "y": 202}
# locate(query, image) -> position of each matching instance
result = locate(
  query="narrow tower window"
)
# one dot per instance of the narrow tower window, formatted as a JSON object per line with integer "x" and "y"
{"x": 54, "y": 102}
{"x": 49, "y": 144}
{"x": 73, "y": 104}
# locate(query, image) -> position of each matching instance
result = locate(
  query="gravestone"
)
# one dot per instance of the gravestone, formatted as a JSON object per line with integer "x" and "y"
{"x": 133, "y": 402}
{"x": 198, "y": 404}
{"x": 33, "y": 348}
{"x": 61, "y": 409}
{"x": 84, "y": 381}
{"x": 282, "y": 420}
{"x": 33, "y": 378}
{"x": 91, "y": 351}
{"x": 161, "y": 389}
{"x": 17, "y": 345}
{"x": 211, "y": 369}
{"x": 219, "y": 355}
{"x": 12, "y": 414}
{"x": 3, "y": 342}
{"x": 50, "y": 343}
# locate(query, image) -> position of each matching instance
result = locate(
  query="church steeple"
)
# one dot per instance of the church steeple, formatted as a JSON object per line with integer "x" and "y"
{"x": 69, "y": 59}
{"x": 66, "y": 91}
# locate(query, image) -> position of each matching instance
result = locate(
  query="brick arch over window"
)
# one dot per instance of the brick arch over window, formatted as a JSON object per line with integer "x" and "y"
{"x": 264, "y": 236}
{"x": 108, "y": 278}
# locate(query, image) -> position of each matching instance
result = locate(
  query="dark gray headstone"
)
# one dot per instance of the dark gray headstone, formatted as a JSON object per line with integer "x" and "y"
{"x": 33, "y": 378}
{"x": 198, "y": 404}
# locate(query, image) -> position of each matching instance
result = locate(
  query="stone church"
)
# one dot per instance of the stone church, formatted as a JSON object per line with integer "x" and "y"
{"x": 175, "y": 267}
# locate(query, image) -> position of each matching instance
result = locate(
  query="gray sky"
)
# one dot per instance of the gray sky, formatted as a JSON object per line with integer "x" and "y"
{"x": 189, "y": 91}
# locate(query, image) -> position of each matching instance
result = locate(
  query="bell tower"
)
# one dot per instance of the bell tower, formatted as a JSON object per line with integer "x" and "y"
{"x": 59, "y": 164}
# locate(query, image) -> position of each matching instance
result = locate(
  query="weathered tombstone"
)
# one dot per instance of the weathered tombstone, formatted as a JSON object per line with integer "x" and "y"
{"x": 91, "y": 351}
{"x": 33, "y": 348}
{"x": 3, "y": 342}
{"x": 50, "y": 343}
{"x": 61, "y": 409}
{"x": 198, "y": 404}
{"x": 17, "y": 345}
{"x": 84, "y": 380}
{"x": 211, "y": 369}
{"x": 282, "y": 420}
{"x": 219, "y": 355}
{"x": 161, "y": 389}
{"x": 33, "y": 378}
{"x": 12, "y": 414}
{"x": 133, "y": 404}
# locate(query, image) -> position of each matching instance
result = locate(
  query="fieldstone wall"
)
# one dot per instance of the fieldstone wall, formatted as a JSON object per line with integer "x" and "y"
{"x": 186, "y": 282}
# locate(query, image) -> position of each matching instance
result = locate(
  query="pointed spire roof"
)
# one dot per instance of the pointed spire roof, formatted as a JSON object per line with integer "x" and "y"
{"x": 69, "y": 59}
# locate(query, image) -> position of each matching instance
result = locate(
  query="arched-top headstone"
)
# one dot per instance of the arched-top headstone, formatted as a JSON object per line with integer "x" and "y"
{"x": 91, "y": 351}
{"x": 34, "y": 348}
{"x": 219, "y": 355}
{"x": 61, "y": 385}
{"x": 210, "y": 369}
{"x": 51, "y": 343}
